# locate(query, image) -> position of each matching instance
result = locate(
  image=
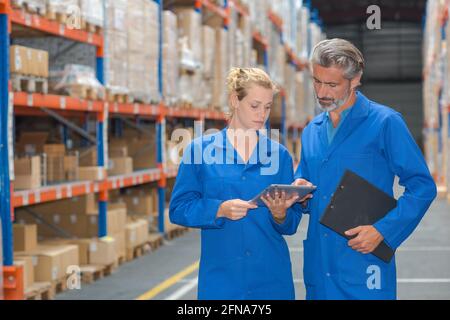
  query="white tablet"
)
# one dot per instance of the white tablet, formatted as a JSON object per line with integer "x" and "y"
{"x": 290, "y": 190}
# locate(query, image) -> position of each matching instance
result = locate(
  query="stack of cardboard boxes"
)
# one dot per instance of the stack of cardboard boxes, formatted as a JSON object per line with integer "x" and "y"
{"x": 77, "y": 218}
{"x": 170, "y": 57}
{"x": 57, "y": 163}
{"x": 43, "y": 263}
{"x": 143, "y": 54}
{"x": 28, "y": 61}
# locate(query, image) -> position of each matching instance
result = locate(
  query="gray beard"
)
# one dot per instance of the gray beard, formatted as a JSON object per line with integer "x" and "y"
{"x": 334, "y": 106}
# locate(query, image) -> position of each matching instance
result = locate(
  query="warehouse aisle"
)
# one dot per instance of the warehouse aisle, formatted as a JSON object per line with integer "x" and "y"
{"x": 171, "y": 272}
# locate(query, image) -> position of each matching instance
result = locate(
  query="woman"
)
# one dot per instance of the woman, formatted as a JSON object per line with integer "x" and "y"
{"x": 243, "y": 252}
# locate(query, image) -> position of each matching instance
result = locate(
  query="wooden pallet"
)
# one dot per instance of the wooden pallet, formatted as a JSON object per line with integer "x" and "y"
{"x": 30, "y": 6}
{"x": 175, "y": 231}
{"x": 138, "y": 251}
{"x": 91, "y": 273}
{"x": 39, "y": 291}
{"x": 58, "y": 286}
{"x": 85, "y": 92}
{"x": 114, "y": 96}
{"x": 155, "y": 240}
{"x": 27, "y": 83}
{"x": 90, "y": 27}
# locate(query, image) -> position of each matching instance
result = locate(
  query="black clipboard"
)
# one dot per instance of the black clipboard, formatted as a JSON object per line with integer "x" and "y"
{"x": 357, "y": 202}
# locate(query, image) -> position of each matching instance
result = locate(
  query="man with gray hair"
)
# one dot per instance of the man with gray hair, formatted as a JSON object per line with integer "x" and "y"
{"x": 372, "y": 140}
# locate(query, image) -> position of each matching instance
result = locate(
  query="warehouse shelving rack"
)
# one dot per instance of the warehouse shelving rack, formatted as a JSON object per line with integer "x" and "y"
{"x": 22, "y": 103}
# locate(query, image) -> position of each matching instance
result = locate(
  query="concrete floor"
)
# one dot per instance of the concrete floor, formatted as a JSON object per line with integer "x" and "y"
{"x": 423, "y": 266}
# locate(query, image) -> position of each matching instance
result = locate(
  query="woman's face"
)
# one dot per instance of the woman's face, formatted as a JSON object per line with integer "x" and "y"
{"x": 253, "y": 111}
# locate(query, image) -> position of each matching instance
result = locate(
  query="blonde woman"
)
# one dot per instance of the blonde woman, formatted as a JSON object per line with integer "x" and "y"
{"x": 243, "y": 252}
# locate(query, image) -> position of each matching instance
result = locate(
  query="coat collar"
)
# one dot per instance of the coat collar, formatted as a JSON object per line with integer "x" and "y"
{"x": 359, "y": 110}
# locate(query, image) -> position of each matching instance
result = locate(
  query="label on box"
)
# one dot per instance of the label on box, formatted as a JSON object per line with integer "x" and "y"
{"x": 93, "y": 219}
{"x": 34, "y": 260}
{"x": 56, "y": 218}
{"x": 93, "y": 247}
{"x": 54, "y": 273}
{"x": 136, "y": 201}
{"x": 73, "y": 218}
{"x": 133, "y": 236}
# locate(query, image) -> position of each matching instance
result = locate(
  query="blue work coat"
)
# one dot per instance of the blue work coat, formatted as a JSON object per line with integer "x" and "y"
{"x": 247, "y": 258}
{"x": 374, "y": 142}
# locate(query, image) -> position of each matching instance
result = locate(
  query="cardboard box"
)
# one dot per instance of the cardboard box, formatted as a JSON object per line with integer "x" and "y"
{"x": 42, "y": 59}
{"x": 88, "y": 157}
{"x": 136, "y": 233}
{"x": 55, "y": 149}
{"x": 91, "y": 173}
{"x": 27, "y": 166}
{"x": 25, "y": 237}
{"x": 119, "y": 166}
{"x": 92, "y": 251}
{"x": 31, "y": 143}
{"x": 55, "y": 167}
{"x": 139, "y": 203}
{"x": 19, "y": 58}
{"x": 28, "y": 270}
{"x": 118, "y": 151}
{"x": 120, "y": 238}
{"x": 71, "y": 168}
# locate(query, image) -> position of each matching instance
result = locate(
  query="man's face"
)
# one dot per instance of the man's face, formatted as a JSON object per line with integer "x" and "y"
{"x": 331, "y": 88}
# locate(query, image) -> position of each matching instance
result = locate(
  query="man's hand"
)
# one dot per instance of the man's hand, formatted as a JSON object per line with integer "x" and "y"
{"x": 366, "y": 240}
{"x": 279, "y": 204}
{"x": 234, "y": 209}
{"x": 303, "y": 182}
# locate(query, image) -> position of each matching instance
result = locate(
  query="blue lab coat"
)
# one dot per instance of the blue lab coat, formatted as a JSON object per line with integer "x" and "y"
{"x": 247, "y": 258}
{"x": 374, "y": 142}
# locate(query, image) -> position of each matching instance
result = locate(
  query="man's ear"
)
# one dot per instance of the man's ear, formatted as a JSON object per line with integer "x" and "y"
{"x": 355, "y": 82}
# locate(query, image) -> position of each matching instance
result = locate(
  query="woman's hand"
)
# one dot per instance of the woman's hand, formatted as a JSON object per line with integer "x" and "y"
{"x": 234, "y": 209}
{"x": 303, "y": 182}
{"x": 279, "y": 204}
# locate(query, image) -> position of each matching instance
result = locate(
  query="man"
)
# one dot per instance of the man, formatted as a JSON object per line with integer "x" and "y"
{"x": 373, "y": 141}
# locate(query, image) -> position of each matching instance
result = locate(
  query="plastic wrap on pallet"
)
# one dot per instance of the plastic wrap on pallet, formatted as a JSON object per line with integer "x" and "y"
{"x": 258, "y": 10}
{"x": 277, "y": 58}
{"x": 189, "y": 26}
{"x": 170, "y": 57}
{"x": 116, "y": 44}
{"x": 92, "y": 12}
{"x": 208, "y": 51}
{"x": 232, "y": 38}
{"x": 221, "y": 69}
{"x": 302, "y": 33}
{"x": 143, "y": 54}
{"x": 290, "y": 73}
{"x": 62, "y": 6}
{"x": 247, "y": 40}
{"x": 73, "y": 76}
{"x": 38, "y": 6}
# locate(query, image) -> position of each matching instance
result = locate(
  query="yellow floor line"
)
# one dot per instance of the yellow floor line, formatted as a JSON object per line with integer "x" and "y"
{"x": 169, "y": 282}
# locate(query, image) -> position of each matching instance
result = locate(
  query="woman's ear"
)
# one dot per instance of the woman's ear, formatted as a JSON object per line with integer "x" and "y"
{"x": 234, "y": 101}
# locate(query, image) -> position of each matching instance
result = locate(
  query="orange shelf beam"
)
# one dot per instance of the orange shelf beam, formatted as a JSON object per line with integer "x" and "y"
{"x": 260, "y": 39}
{"x": 134, "y": 179}
{"x": 215, "y": 8}
{"x": 239, "y": 8}
{"x": 37, "y": 22}
{"x": 276, "y": 20}
{"x": 134, "y": 108}
{"x": 57, "y": 192}
{"x": 36, "y": 100}
{"x": 171, "y": 172}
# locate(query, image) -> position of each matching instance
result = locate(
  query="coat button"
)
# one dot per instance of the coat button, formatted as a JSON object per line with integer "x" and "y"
{"x": 325, "y": 235}
{"x": 328, "y": 274}
{"x": 243, "y": 178}
{"x": 248, "y": 253}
